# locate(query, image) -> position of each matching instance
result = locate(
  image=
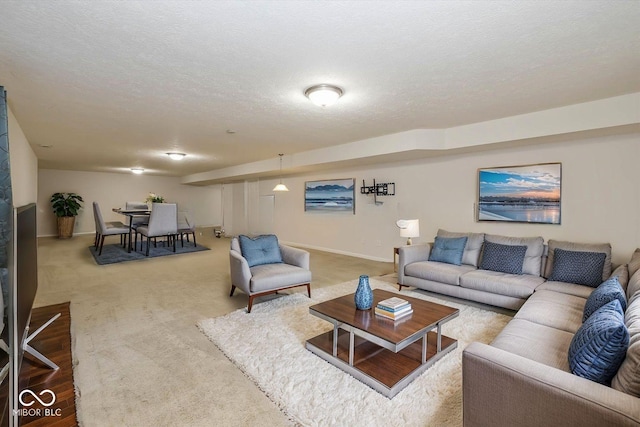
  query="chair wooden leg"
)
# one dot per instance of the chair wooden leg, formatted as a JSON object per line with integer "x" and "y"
{"x": 101, "y": 244}
{"x": 233, "y": 289}
{"x": 250, "y": 304}
{"x": 309, "y": 289}
{"x": 194, "y": 239}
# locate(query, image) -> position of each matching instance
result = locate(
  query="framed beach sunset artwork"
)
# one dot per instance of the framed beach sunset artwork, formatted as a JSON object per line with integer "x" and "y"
{"x": 528, "y": 193}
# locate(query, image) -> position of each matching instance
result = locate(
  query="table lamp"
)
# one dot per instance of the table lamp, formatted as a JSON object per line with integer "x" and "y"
{"x": 409, "y": 228}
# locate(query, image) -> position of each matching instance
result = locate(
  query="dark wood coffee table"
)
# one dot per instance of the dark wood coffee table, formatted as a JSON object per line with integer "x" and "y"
{"x": 384, "y": 354}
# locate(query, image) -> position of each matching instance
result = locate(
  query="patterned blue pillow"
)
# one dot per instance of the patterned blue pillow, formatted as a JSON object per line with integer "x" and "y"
{"x": 448, "y": 250}
{"x": 503, "y": 258}
{"x": 260, "y": 250}
{"x": 608, "y": 291}
{"x": 582, "y": 268}
{"x": 600, "y": 345}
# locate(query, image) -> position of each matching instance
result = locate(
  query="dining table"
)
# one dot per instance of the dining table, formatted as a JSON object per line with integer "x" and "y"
{"x": 131, "y": 213}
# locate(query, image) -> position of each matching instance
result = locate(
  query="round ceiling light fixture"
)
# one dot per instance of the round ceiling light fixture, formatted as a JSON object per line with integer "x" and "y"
{"x": 323, "y": 95}
{"x": 176, "y": 156}
{"x": 137, "y": 171}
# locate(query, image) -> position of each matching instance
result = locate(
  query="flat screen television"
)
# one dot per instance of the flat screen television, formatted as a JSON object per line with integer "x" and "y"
{"x": 23, "y": 285}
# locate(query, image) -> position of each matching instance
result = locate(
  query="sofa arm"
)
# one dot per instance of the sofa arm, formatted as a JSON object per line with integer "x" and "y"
{"x": 411, "y": 254}
{"x": 295, "y": 256}
{"x": 502, "y": 387}
{"x": 239, "y": 270}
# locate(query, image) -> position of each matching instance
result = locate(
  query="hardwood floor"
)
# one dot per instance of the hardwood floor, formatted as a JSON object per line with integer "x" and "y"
{"x": 55, "y": 343}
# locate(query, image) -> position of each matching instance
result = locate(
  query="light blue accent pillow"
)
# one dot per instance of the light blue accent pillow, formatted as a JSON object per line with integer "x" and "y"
{"x": 582, "y": 268}
{"x": 503, "y": 258}
{"x": 448, "y": 250}
{"x": 260, "y": 250}
{"x": 600, "y": 345}
{"x": 608, "y": 291}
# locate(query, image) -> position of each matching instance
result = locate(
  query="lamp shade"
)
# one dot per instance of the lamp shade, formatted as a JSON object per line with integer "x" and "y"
{"x": 280, "y": 187}
{"x": 409, "y": 228}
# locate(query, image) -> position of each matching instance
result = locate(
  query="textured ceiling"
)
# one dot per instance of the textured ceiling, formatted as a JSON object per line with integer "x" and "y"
{"x": 112, "y": 85}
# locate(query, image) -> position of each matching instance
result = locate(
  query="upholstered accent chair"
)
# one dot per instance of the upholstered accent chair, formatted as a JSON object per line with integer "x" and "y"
{"x": 261, "y": 266}
{"x": 163, "y": 221}
{"x": 103, "y": 229}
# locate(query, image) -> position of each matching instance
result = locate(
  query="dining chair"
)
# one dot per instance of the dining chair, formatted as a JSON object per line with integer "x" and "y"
{"x": 163, "y": 221}
{"x": 186, "y": 226}
{"x": 111, "y": 228}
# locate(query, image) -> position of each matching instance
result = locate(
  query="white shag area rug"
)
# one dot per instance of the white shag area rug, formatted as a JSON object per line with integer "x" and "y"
{"x": 268, "y": 345}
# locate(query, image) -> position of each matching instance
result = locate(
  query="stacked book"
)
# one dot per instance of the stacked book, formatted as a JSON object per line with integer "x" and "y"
{"x": 393, "y": 308}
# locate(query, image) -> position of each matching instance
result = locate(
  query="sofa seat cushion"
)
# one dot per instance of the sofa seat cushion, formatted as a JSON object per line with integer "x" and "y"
{"x": 540, "y": 343}
{"x": 512, "y": 285}
{"x": 267, "y": 277}
{"x": 437, "y": 271}
{"x": 581, "y": 291}
{"x": 553, "y": 309}
{"x": 627, "y": 379}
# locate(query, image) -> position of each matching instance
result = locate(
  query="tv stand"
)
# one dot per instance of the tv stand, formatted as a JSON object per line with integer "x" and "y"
{"x": 35, "y": 353}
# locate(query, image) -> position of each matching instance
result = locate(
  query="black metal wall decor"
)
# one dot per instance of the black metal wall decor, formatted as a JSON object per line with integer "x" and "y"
{"x": 378, "y": 189}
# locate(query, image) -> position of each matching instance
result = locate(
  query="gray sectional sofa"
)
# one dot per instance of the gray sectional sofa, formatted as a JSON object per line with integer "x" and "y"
{"x": 527, "y": 375}
{"x": 523, "y": 378}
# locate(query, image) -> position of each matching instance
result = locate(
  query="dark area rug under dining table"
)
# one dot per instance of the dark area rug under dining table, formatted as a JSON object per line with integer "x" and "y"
{"x": 115, "y": 253}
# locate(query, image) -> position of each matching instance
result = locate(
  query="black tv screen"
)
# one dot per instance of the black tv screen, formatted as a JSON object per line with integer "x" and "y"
{"x": 26, "y": 270}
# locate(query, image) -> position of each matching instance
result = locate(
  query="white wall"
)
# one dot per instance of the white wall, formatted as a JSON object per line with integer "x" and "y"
{"x": 600, "y": 199}
{"x": 113, "y": 190}
{"x": 24, "y": 165}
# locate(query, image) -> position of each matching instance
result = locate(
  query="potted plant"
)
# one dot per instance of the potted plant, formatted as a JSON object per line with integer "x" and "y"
{"x": 66, "y": 207}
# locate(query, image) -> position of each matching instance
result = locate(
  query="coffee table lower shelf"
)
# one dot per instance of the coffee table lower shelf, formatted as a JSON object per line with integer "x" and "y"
{"x": 381, "y": 369}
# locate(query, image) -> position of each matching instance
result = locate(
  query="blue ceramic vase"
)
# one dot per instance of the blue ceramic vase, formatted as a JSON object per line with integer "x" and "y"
{"x": 364, "y": 295}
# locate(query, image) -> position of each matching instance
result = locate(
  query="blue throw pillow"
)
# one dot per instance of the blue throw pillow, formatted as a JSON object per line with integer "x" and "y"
{"x": 600, "y": 345}
{"x": 260, "y": 250}
{"x": 582, "y": 268}
{"x": 608, "y": 291}
{"x": 448, "y": 250}
{"x": 503, "y": 258}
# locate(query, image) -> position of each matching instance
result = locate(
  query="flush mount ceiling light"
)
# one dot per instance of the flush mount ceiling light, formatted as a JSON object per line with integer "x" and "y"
{"x": 281, "y": 186}
{"x": 323, "y": 95}
{"x": 137, "y": 171}
{"x": 176, "y": 156}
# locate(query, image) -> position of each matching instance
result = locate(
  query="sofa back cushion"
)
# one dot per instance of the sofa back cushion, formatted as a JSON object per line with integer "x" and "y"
{"x": 634, "y": 263}
{"x": 600, "y": 345}
{"x": 622, "y": 273}
{"x": 579, "y": 267}
{"x": 260, "y": 250}
{"x": 503, "y": 258}
{"x": 448, "y": 250}
{"x": 472, "y": 249}
{"x": 533, "y": 256}
{"x": 608, "y": 291}
{"x": 627, "y": 379}
{"x": 634, "y": 285}
{"x": 585, "y": 247}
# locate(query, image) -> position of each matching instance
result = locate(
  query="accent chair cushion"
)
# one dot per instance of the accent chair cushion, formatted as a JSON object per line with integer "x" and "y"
{"x": 608, "y": 291}
{"x": 600, "y": 345}
{"x": 503, "y": 258}
{"x": 448, "y": 250}
{"x": 582, "y": 268}
{"x": 260, "y": 250}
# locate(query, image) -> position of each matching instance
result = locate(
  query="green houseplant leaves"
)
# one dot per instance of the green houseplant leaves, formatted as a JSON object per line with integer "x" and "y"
{"x": 66, "y": 204}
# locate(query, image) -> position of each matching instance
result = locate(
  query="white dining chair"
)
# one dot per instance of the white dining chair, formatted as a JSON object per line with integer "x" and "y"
{"x": 104, "y": 229}
{"x": 163, "y": 221}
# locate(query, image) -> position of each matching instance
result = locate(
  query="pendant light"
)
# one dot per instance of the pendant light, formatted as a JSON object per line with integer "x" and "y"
{"x": 281, "y": 186}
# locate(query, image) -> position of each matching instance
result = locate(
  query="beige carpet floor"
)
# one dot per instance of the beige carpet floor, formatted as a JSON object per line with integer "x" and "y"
{"x": 139, "y": 358}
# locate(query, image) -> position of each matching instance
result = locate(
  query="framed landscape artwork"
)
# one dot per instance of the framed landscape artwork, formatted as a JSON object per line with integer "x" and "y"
{"x": 528, "y": 193}
{"x": 335, "y": 195}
